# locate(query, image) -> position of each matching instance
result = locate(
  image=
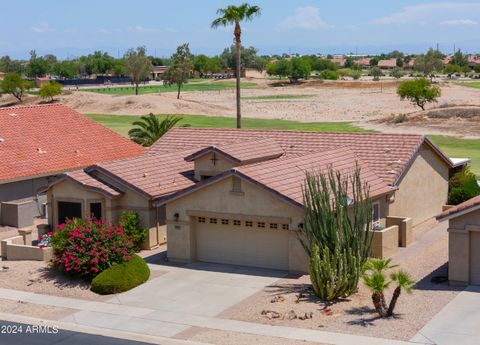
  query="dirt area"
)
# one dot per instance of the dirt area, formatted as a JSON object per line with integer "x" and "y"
{"x": 210, "y": 336}
{"x": 465, "y": 120}
{"x": 356, "y": 314}
{"x": 364, "y": 102}
{"x": 34, "y": 310}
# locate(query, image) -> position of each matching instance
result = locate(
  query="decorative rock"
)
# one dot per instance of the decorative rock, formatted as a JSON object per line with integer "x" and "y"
{"x": 307, "y": 315}
{"x": 271, "y": 314}
{"x": 278, "y": 298}
{"x": 291, "y": 315}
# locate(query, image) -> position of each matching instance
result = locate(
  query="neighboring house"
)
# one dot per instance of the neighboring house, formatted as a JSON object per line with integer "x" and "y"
{"x": 387, "y": 64}
{"x": 158, "y": 72}
{"x": 234, "y": 196}
{"x": 339, "y": 60}
{"x": 364, "y": 62}
{"x": 463, "y": 242}
{"x": 40, "y": 141}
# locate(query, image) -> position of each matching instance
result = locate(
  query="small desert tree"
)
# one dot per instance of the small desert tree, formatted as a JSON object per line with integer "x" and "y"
{"x": 180, "y": 69}
{"x": 336, "y": 234}
{"x": 419, "y": 92}
{"x": 137, "y": 66}
{"x": 150, "y": 129}
{"x": 14, "y": 84}
{"x": 377, "y": 282}
{"x": 376, "y": 73}
{"x": 50, "y": 90}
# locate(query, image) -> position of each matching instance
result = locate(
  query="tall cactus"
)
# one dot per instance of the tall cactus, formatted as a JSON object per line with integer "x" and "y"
{"x": 336, "y": 233}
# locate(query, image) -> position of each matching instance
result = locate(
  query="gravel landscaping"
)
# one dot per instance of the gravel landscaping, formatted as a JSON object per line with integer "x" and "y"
{"x": 424, "y": 259}
{"x": 34, "y": 310}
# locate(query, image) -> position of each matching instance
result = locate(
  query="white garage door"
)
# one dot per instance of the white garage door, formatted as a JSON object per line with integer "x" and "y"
{"x": 475, "y": 258}
{"x": 242, "y": 243}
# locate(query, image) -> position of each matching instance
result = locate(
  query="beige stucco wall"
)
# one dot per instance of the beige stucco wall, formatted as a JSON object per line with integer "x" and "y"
{"x": 423, "y": 190}
{"x": 255, "y": 203}
{"x": 204, "y": 165}
{"x": 459, "y": 247}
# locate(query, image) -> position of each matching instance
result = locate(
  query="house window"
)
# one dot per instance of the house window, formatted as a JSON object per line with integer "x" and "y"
{"x": 236, "y": 222}
{"x": 273, "y": 226}
{"x": 201, "y": 219}
{"x": 213, "y": 220}
{"x": 225, "y": 221}
{"x": 285, "y": 226}
{"x": 68, "y": 210}
{"x": 261, "y": 224}
{"x": 376, "y": 214}
{"x": 236, "y": 185}
{"x": 96, "y": 210}
{"x": 248, "y": 223}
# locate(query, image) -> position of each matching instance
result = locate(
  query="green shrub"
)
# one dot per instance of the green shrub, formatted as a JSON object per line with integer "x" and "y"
{"x": 121, "y": 277}
{"x": 130, "y": 222}
{"x": 355, "y": 74}
{"x": 50, "y": 90}
{"x": 329, "y": 75}
{"x": 463, "y": 186}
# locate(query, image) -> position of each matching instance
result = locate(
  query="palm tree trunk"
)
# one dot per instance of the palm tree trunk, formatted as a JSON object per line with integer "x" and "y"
{"x": 393, "y": 302}
{"x": 378, "y": 303}
{"x": 238, "y": 42}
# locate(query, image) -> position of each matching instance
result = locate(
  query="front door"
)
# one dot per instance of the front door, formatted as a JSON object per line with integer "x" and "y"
{"x": 68, "y": 210}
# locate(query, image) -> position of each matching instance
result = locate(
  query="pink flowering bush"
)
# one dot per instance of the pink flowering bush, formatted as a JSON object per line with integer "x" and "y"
{"x": 86, "y": 247}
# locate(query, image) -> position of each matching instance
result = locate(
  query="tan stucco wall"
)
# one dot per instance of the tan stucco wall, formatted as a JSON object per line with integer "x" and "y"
{"x": 459, "y": 247}
{"x": 204, "y": 165}
{"x": 423, "y": 190}
{"x": 255, "y": 202}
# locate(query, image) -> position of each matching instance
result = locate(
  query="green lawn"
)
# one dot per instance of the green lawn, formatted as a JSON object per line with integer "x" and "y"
{"x": 122, "y": 123}
{"x": 278, "y": 97}
{"x": 452, "y": 146}
{"x": 475, "y": 84}
{"x": 460, "y": 148}
{"x": 192, "y": 86}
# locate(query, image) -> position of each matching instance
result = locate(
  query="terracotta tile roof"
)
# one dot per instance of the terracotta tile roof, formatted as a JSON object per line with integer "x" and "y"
{"x": 391, "y": 63}
{"x": 152, "y": 175}
{"x": 388, "y": 155}
{"x": 243, "y": 152}
{"x": 47, "y": 139}
{"x": 286, "y": 176}
{"x": 459, "y": 209}
{"x": 81, "y": 177}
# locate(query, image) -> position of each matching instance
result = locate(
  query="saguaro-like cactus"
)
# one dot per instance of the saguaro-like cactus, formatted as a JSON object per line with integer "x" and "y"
{"x": 336, "y": 233}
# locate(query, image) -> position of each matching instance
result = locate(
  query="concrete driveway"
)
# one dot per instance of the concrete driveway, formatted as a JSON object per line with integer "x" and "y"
{"x": 192, "y": 291}
{"x": 457, "y": 323}
{"x": 200, "y": 288}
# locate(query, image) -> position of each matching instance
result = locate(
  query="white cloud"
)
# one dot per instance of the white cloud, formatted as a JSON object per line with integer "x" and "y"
{"x": 466, "y": 22}
{"x": 429, "y": 12}
{"x": 103, "y": 31}
{"x": 42, "y": 27}
{"x": 307, "y": 18}
{"x": 140, "y": 29}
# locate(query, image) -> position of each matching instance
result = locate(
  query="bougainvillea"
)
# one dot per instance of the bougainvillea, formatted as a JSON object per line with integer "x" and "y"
{"x": 85, "y": 247}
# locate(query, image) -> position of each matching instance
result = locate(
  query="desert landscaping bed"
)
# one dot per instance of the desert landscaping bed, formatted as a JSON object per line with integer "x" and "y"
{"x": 296, "y": 305}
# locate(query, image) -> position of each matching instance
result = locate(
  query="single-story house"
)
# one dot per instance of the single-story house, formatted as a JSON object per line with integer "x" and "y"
{"x": 387, "y": 64}
{"x": 463, "y": 242}
{"x": 39, "y": 142}
{"x": 364, "y": 62}
{"x": 158, "y": 72}
{"x": 234, "y": 196}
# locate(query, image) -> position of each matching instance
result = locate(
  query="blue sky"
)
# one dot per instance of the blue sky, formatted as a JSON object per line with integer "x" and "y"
{"x": 70, "y": 28}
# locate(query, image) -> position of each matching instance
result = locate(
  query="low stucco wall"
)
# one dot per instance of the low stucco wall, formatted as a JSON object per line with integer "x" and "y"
{"x": 405, "y": 229}
{"x": 385, "y": 242}
{"x": 18, "y": 214}
{"x": 15, "y": 248}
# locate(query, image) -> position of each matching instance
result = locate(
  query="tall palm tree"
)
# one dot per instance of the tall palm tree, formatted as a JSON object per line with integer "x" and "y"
{"x": 234, "y": 15}
{"x": 150, "y": 129}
